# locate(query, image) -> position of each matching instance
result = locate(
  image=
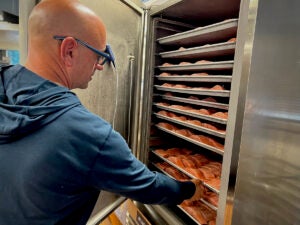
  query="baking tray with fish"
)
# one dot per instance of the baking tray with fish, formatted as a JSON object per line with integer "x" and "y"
{"x": 185, "y": 172}
{"x": 213, "y": 50}
{"x": 214, "y": 33}
{"x": 198, "y": 91}
{"x": 195, "y": 127}
{"x": 200, "y": 78}
{"x": 213, "y": 149}
{"x": 167, "y": 174}
{"x": 161, "y": 170}
{"x": 205, "y": 117}
{"x": 209, "y": 204}
{"x": 196, "y": 102}
{"x": 220, "y": 65}
{"x": 194, "y": 219}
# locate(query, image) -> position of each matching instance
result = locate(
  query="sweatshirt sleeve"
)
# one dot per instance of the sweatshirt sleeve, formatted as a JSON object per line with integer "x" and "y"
{"x": 117, "y": 170}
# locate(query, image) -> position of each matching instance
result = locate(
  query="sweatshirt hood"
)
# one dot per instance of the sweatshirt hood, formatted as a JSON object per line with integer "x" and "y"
{"x": 28, "y": 102}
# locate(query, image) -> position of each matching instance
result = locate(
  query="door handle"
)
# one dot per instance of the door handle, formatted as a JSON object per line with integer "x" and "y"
{"x": 131, "y": 74}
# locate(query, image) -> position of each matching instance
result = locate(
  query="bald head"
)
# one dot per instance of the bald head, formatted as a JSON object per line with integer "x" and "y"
{"x": 63, "y": 18}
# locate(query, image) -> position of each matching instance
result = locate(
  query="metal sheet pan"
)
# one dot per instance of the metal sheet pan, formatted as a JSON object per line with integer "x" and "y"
{"x": 199, "y": 128}
{"x": 224, "y": 93}
{"x": 221, "y": 65}
{"x": 220, "y": 49}
{"x": 189, "y": 78}
{"x": 192, "y": 141}
{"x": 171, "y": 164}
{"x": 214, "y": 32}
{"x": 185, "y": 172}
{"x": 196, "y": 102}
{"x": 209, "y": 118}
{"x": 189, "y": 215}
{"x": 202, "y": 200}
{"x": 209, "y": 204}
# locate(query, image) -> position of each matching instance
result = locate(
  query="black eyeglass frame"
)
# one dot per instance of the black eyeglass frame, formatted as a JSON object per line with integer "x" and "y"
{"x": 108, "y": 55}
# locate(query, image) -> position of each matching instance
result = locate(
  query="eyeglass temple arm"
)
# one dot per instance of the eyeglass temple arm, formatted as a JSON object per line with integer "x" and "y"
{"x": 111, "y": 54}
{"x": 108, "y": 49}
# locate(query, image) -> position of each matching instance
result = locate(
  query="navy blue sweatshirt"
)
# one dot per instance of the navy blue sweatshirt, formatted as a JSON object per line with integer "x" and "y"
{"x": 56, "y": 157}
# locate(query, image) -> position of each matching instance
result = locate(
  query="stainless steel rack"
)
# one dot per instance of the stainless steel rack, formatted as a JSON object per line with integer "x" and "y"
{"x": 213, "y": 33}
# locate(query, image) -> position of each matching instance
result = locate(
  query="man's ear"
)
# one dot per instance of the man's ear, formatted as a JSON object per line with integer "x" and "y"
{"x": 68, "y": 48}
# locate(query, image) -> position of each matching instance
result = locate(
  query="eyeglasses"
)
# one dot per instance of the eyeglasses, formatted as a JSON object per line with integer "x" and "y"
{"x": 103, "y": 57}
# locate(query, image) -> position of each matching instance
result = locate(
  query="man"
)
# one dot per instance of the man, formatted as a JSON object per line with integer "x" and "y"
{"x": 55, "y": 155}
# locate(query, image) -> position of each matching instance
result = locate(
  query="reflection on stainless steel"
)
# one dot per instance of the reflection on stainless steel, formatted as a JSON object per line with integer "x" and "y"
{"x": 276, "y": 196}
{"x": 281, "y": 115}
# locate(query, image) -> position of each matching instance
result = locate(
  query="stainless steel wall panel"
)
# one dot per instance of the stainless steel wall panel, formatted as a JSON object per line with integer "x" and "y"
{"x": 268, "y": 178}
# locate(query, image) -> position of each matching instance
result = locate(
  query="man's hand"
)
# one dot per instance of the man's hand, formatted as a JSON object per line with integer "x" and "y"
{"x": 199, "y": 192}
